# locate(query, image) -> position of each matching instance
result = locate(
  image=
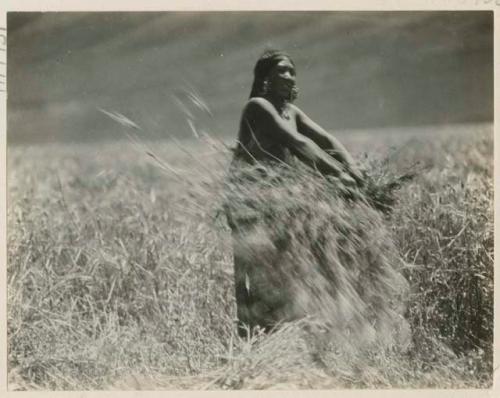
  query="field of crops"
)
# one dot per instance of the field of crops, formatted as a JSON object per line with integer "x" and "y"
{"x": 120, "y": 270}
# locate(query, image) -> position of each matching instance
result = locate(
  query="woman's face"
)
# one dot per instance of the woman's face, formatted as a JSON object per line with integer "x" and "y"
{"x": 282, "y": 79}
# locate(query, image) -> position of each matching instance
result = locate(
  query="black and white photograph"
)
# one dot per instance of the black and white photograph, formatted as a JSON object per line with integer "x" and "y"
{"x": 250, "y": 200}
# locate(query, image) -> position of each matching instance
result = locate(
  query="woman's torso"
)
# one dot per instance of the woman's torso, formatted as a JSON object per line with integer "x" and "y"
{"x": 256, "y": 143}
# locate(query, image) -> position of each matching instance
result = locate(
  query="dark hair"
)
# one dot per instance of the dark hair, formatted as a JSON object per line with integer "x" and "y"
{"x": 267, "y": 61}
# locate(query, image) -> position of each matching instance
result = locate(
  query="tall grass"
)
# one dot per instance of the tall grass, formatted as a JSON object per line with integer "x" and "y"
{"x": 120, "y": 277}
{"x": 444, "y": 226}
{"x": 313, "y": 249}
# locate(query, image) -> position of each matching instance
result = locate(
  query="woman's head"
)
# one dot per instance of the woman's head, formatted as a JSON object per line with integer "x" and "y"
{"x": 274, "y": 76}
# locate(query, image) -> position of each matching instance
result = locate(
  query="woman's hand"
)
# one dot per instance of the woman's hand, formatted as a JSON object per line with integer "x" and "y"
{"x": 347, "y": 180}
{"x": 348, "y": 188}
{"x": 357, "y": 176}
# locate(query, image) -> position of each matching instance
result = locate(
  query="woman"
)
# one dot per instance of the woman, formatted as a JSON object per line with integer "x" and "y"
{"x": 272, "y": 127}
{"x": 273, "y": 131}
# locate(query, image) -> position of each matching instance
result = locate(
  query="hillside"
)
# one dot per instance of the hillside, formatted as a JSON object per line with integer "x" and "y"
{"x": 355, "y": 69}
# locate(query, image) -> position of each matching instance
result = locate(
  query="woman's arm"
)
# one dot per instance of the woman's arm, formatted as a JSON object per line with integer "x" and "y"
{"x": 261, "y": 116}
{"x": 327, "y": 142}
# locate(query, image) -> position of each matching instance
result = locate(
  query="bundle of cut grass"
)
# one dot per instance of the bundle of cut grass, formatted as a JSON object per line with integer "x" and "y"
{"x": 304, "y": 246}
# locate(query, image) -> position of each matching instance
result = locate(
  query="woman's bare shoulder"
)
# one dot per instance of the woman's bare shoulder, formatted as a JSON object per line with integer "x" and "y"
{"x": 259, "y": 104}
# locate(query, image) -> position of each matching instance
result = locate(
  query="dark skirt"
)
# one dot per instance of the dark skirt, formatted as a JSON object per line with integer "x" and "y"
{"x": 262, "y": 294}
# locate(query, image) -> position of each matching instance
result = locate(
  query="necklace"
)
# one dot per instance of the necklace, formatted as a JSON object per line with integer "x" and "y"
{"x": 284, "y": 110}
{"x": 281, "y": 106}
